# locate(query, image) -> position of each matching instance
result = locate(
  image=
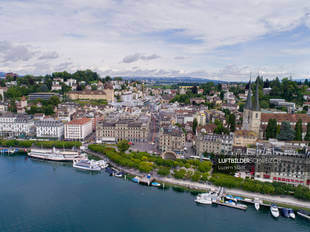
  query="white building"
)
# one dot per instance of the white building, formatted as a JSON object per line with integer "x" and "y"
{"x": 78, "y": 129}
{"x": 70, "y": 82}
{"x": 49, "y": 129}
{"x": 15, "y": 124}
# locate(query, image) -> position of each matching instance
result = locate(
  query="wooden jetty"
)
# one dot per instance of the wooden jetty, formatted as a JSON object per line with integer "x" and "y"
{"x": 146, "y": 180}
{"x": 236, "y": 206}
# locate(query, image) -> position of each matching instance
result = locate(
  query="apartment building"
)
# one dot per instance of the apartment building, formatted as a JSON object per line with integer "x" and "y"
{"x": 213, "y": 144}
{"x": 123, "y": 129}
{"x": 171, "y": 139}
{"x": 49, "y": 129}
{"x": 78, "y": 129}
{"x": 16, "y": 125}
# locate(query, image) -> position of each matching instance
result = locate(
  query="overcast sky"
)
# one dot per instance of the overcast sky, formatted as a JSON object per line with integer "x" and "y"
{"x": 216, "y": 39}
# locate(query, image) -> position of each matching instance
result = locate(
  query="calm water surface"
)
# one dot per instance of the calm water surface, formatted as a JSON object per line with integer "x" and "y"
{"x": 47, "y": 196}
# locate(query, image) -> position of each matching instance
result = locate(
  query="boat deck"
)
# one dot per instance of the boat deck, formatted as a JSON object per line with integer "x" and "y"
{"x": 241, "y": 207}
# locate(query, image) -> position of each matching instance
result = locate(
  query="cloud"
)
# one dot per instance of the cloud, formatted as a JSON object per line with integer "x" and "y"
{"x": 135, "y": 57}
{"x": 48, "y": 55}
{"x": 180, "y": 57}
{"x": 13, "y": 53}
{"x": 210, "y": 33}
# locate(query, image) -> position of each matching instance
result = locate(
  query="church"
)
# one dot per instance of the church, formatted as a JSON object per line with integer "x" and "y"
{"x": 251, "y": 113}
{"x": 251, "y": 122}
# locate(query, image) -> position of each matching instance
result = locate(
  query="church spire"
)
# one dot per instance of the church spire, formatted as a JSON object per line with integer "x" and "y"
{"x": 248, "y": 104}
{"x": 257, "y": 107}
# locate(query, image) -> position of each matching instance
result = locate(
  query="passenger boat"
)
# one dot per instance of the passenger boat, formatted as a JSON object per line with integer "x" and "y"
{"x": 304, "y": 214}
{"x": 291, "y": 213}
{"x": 53, "y": 154}
{"x": 284, "y": 212}
{"x": 86, "y": 164}
{"x": 274, "y": 211}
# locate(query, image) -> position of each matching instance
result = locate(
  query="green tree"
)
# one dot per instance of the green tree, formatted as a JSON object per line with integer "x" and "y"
{"x": 12, "y": 106}
{"x": 298, "y": 130}
{"x": 286, "y": 132}
{"x": 163, "y": 171}
{"x": 307, "y": 137}
{"x": 54, "y": 100}
{"x": 232, "y": 122}
{"x": 271, "y": 130}
{"x": 123, "y": 145}
{"x": 194, "y": 89}
{"x": 195, "y": 123}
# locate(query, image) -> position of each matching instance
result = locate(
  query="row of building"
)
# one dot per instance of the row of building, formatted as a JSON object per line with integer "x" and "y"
{"x": 20, "y": 125}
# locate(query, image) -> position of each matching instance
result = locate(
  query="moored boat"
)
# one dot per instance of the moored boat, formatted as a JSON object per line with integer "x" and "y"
{"x": 304, "y": 214}
{"x": 155, "y": 184}
{"x": 291, "y": 213}
{"x": 204, "y": 198}
{"x": 86, "y": 165}
{"x": 257, "y": 203}
{"x": 53, "y": 154}
{"x": 136, "y": 179}
{"x": 284, "y": 212}
{"x": 274, "y": 211}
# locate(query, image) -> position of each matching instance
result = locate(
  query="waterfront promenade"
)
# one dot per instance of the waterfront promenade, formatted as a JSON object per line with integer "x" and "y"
{"x": 286, "y": 200}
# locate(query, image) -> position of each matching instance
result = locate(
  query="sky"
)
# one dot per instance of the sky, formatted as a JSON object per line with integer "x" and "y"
{"x": 214, "y": 39}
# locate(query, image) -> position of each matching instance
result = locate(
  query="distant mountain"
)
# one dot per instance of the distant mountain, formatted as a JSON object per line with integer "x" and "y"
{"x": 170, "y": 80}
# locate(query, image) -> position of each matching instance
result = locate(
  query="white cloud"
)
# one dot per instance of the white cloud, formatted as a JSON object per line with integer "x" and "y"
{"x": 49, "y": 55}
{"x": 135, "y": 57}
{"x": 91, "y": 31}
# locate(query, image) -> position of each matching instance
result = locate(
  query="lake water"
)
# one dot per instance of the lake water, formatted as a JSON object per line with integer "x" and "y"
{"x": 47, "y": 196}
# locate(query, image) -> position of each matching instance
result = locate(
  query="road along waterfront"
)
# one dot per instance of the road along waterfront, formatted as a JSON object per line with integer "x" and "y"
{"x": 285, "y": 200}
{"x": 48, "y": 196}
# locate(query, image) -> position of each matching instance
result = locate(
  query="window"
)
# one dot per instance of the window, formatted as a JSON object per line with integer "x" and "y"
{"x": 256, "y": 115}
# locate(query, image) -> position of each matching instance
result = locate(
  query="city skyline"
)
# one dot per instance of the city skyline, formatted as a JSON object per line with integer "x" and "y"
{"x": 220, "y": 40}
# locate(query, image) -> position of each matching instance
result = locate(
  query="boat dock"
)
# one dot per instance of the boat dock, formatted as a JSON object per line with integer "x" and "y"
{"x": 146, "y": 180}
{"x": 236, "y": 206}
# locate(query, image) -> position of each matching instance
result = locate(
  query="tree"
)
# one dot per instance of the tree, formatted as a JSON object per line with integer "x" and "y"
{"x": 194, "y": 89}
{"x": 54, "y": 100}
{"x": 163, "y": 171}
{"x": 43, "y": 88}
{"x": 222, "y": 95}
{"x": 12, "y": 106}
{"x": 195, "y": 123}
{"x": 271, "y": 130}
{"x": 298, "y": 130}
{"x": 123, "y": 145}
{"x": 232, "y": 122}
{"x": 286, "y": 132}
{"x": 93, "y": 87}
{"x": 307, "y": 137}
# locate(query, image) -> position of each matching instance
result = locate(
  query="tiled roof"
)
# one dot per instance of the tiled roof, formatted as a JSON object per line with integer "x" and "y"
{"x": 79, "y": 121}
{"x": 285, "y": 117}
{"x": 245, "y": 133}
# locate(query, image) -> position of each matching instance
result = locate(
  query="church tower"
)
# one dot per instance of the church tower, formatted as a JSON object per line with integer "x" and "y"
{"x": 251, "y": 113}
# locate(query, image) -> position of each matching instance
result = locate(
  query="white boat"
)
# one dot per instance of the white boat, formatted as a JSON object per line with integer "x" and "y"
{"x": 274, "y": 211}
{"x": 86, "y": 164}
{"x": 256, "y": 203}
{"x": 304, "y": 213}
{"x": 291, "y": 213}
{"x": 206, "y": 198}
{"x": 103, "y": 164}
{"x": 53, "y": 154}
